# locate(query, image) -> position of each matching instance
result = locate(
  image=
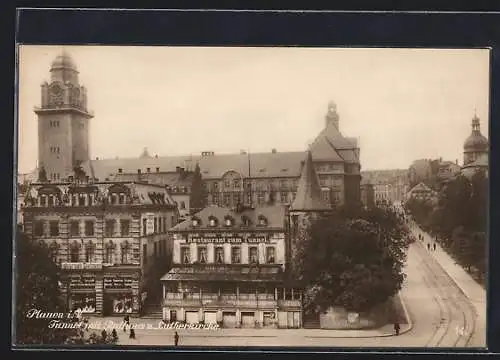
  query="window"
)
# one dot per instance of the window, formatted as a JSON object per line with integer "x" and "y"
{"x": 125, "y": 227}
{"x": 235, "y": 255}
{"x": 253, "y": 255}
{"x": 195, "y": 222}
{"x": 81, "y": 200}
{"x": 74, "y": 227}
{"x": 90, "y": 252}
{"x": 144, "y": 226}
{"x": 216, "y": 186}
{"x": 110, "y": 227}
{"x": 108, "y": 252}
{"x": 121, "y": 199}
{"x": 160, "y": 228}
{"x": 227, "y": 183}
{"x": 261, "y": 197}
{"x": 38, "y": 228}
{"x": 216, "y": 199}
{"x": 219, "y": 255}
{"x": 284, "y": 196}
{"x": 43, "y": 200}
{"x": 227, "y": 199}
{"x": 126, "y": 253}
{"x": 54, "y": 252}
{"x": 270, "y": 255}
{"x": 165, "y": 224}
{"x": 54, "y": 228}
{"x": 236, "y": 183}
{"x": 212, "y": 221}
{"x": 89, "y": 228}
{"x": 183, "y": 205}
{"x": 185, "y": 255}
{"x": 283, "y": 184}
{"x": 155, "y": 225}
{"x": 202, "y": 255}
{"x": 237, "y": 198}
{"x": 51, "y": 200}
{"x": 74, "y": 252}
{"x": 249, "y": 198}
{"x": 228, "y": 221}
{"x": 172, "y": 218}
{"x": 262, "y": 221}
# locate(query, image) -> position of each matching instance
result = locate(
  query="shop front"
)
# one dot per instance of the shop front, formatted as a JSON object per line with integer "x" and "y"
{"x": 82, "y": 293}
{"x": 120, "y": 297}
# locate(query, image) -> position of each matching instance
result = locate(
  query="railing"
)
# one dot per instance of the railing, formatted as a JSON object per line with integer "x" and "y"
{"x": 251, "y": 300}
{"x": 289, "y": 303}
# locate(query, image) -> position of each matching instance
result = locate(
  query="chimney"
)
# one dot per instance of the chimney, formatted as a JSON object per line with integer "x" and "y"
{"x": 274, "y": 151}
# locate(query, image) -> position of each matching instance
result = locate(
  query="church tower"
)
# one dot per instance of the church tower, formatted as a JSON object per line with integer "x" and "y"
{"x": 63, "y": 121}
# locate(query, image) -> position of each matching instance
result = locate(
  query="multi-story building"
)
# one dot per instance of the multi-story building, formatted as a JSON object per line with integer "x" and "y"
{"x": 178, "y": 183}
{"x": 422, "y": 192}
{"x": 108, "y": 238}
{"x": 367, "y": 195}
{"x": 388, "y": 185}
{"x": 229, "y": 267}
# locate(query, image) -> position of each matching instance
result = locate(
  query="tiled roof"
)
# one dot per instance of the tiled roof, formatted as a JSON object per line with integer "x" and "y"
{"x": 232, "y": 272}
{"x": 274, "y": 215}
{"x": 172, "y": 179}
{"x": 309, "y": 196}
{"x": 331, "y": 145}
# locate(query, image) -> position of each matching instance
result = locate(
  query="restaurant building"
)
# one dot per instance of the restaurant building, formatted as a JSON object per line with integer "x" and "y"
{"x": 108, "y": 238}
{"x": 229, "y": 269}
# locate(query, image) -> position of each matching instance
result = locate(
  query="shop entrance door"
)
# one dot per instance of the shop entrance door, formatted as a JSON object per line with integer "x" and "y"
{"x": 210, "y": 317}
{"x": 192, "y": 317}
{"x": 247, "y": 319}
{"x": 229, "y": 319}
{"x": 107, "y": 306}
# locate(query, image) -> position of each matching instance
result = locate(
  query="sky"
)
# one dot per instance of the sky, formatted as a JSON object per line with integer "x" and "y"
{"x": 401, "y": 104}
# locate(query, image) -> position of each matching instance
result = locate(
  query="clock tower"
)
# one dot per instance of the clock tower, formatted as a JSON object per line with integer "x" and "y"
{"x": 63, "y": 121}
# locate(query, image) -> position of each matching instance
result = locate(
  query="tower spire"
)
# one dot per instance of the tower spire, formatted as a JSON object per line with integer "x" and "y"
{"x": 309, "y": 194}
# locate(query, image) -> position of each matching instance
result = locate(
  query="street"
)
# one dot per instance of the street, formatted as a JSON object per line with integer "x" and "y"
{"x": 441, "y": 316}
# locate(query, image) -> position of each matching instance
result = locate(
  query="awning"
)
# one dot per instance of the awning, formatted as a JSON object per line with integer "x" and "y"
{"x": 225, "y": 273}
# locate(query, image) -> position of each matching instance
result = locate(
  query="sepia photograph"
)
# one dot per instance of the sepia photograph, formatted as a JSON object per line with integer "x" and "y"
{"x": 282, "y": 197}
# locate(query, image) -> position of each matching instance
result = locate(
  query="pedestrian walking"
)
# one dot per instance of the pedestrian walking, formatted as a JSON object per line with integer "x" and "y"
{"x": 428, "y": 246}
{"x": 396, "y": 328}
{"x": 114, "y": 335}
{"x": 176, "y": 339}
{"x": 104, "y": 334}
{"x": 132, "y": 333}
{"x": 434, "y": 247}
{"x": 126, "y": 322}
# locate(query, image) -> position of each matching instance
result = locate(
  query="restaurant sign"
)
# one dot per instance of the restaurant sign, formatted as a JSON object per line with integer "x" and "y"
{"x": 111, "y": 282}
{"x": 81, "y": 266}
{"x": 227, "y": 238}
{"x": 82, "y": 281}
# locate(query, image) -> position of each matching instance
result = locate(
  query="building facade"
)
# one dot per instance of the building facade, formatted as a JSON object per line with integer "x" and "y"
{"x": 229, "y": 267}
{"x": 108, "y": 239}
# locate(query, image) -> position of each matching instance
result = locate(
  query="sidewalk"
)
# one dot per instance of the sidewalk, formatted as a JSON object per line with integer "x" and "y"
{"x": 109, "y": 323}
{"x": 472, "y": 290}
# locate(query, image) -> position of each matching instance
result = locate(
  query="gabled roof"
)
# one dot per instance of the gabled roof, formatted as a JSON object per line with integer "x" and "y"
{"x": 309, "y": 196}
{"x": 274, "y": 215}
{"x": 331, "y": 145}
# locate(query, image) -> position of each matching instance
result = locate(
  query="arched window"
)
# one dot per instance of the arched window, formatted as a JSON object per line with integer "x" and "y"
{"x": 125, "y": 253}
{"x": 74, "y": 252}
{"x": 262, "y": 220}
{"x": 108, "y": 252}
{"x": 212, "y": 221}
{"x": 228, "y": 221}
{"x": 90, "y": 252}
{"x": 122, "y": 199}
{"x": 51, "y": 200}
{"x": 195, "y": 221}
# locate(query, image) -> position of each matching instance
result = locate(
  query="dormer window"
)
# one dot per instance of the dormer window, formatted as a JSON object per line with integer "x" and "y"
{"x": 195, "y": 222}
{"x": 262, "y": 221}
{"x": 228, "y": 221}
{"x": 212, "y": 220}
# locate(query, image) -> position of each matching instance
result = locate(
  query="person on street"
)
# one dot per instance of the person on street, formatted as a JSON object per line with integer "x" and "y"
{"x": 104, "y": 334}
{"x": 428, "y": 246}
{"x": 434, "y": 247}
{"x": 126, "y": 322}
{"x": 114, "y": 335}
{"x": 176, "y": 339}
{"x": 396, "y": 328}
{"x": 132, "y": 333}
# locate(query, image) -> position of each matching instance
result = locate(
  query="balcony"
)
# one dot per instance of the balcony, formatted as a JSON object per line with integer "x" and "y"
{"x": 289, "y": 303}
{"x": 207, "y": 299}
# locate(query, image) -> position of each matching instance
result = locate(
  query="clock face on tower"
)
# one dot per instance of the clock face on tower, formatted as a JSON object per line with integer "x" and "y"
{"x": 56, "y": 94}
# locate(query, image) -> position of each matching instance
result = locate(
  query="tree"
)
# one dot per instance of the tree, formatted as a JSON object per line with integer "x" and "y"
{"x": 353, "y": 259}
{"x": 198, "y": 198}
{"x": 37, "y": 288}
